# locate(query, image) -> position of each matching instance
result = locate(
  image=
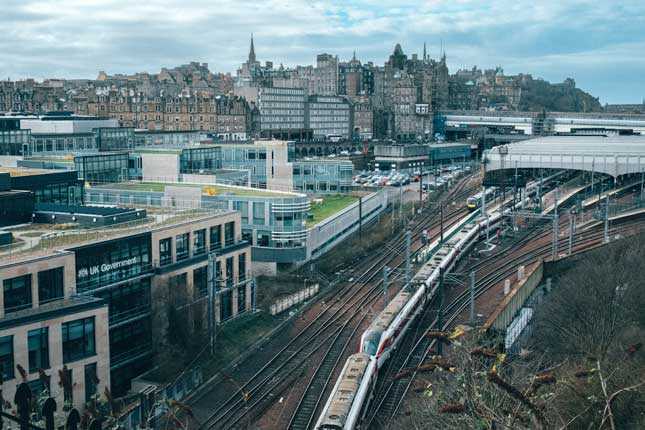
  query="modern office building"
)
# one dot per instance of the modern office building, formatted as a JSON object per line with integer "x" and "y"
{"x": 46, "y": 327}
{"x": 410, "y": 158}
{"x": 99, "y": 297}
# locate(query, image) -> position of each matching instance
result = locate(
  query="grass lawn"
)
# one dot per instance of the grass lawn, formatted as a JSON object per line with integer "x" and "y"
{"x": 330, "y": 205}
{"x": 221, "y": 189}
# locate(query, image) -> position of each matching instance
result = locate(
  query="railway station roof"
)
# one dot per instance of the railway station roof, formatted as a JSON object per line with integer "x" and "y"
{"x": 612, "y": 155}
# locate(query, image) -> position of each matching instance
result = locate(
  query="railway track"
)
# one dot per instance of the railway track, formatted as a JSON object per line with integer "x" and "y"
{"x": 389, "y": 396}
{"x": 329, "y": 331}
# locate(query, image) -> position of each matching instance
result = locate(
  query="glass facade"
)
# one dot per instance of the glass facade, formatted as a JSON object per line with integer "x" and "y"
{"x": 103, "y": 168}
{"x": 114, "y": 138}
{"x": 17, "y": 293}
{"x": 50, "y": 285}
{"x": 128, "y": 301}
{"x": 322, "y": 177}
{"x": 59, "y": 187}
{"x": 78, "y": 339}
{"x": 201, "y": 160}
{"x": 15, "y": 142}
{"x": 113, "y": 261}
{"x": 58, "y": 143}
{"x": 38, "y": 345}
{"x": 130, "y": 340}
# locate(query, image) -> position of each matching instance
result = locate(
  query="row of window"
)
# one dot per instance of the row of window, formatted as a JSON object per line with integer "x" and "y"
{"x": 222, "y": 280}
{"x": 78, "y": 343}
{"x": 17, "y": 291}
{"x": 183, "y": 246}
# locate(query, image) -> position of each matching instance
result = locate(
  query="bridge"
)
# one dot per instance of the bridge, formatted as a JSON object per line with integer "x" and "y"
{"x": 611, "y": 155}
{"x": 535, "y": 123}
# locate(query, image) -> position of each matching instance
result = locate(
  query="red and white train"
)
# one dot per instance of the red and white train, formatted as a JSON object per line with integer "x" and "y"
{"x": 350, "y": 397}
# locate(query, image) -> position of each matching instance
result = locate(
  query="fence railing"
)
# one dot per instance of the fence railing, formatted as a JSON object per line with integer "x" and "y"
{"x": 293, "y": 299}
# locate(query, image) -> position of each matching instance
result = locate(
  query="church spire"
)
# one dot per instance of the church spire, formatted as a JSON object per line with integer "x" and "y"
{"x": 425, "y": 57}
{"x": 252, "y": 51}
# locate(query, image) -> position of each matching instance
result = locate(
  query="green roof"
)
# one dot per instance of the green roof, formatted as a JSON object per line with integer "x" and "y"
{"x": 219, "y": 189}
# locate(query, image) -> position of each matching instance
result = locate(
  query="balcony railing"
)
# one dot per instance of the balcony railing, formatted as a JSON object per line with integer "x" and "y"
{"x": 130, "y": 314}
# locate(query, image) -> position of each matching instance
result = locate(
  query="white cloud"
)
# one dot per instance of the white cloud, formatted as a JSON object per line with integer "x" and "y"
{"x": 76, "y": 38}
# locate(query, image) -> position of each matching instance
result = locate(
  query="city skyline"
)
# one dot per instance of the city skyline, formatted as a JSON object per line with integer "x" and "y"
{"x": 71, "y": 39}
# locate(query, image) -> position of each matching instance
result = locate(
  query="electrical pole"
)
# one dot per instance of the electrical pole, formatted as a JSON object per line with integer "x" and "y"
{"x": 440, "y": 315}
{"x": 555, "y": 226}
{"x": 472, "y": 297}
{"x": 211, "y": 272}
{"x": 400, "y": 202}
{"x": 441, "y": 211}
{"x": 607, "y": 219}
{"x": 421, "y": 187}
{"x": 571, "y": 227}
{"x": 386, "y": 271}
{"x": 407, "y": 257}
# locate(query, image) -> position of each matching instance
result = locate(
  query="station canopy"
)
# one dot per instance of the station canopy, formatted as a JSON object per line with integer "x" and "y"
{"x": 611, "y": 155}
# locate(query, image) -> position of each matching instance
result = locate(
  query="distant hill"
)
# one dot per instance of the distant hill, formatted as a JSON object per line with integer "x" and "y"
{"x": 538, "y": 94}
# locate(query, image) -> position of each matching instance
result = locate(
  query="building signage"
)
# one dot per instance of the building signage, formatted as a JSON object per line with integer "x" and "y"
{"x": 106, "y": 267}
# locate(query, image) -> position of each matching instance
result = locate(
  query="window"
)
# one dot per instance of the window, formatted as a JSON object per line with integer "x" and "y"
{"x": 38, "y": 343}
{"x": 200, "y": 281}
{"x": 165, "y": 251}
{"x": 241, "y": 267}
{"x": 229, "y": 272}
{"x": 50, "y": 285}
{"x": 226, "y": 306}
{"x": 241, "y": 299}
{"x": 17, "y": 293}
{"x": 229, "y": 233}
{"x": 181, "y": 246}
{"x": 258, "y": 213}
{"x": 199, "y": 242}
{"x": 78, "y": 339}
{"x": 6, "y": 357}
{"x": 216, "y": 237}
{"x": 91, "y": 381}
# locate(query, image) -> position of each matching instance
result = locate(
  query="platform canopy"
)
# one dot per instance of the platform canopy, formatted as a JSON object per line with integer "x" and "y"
{"x": 612, "y": 155}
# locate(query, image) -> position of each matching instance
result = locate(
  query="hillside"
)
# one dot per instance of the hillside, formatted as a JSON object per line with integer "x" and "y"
{"x": 538, "y": 95}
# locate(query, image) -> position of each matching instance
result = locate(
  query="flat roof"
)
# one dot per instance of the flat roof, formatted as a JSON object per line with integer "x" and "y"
{"x": 219, "y": 189}
{"x": 25, "y": 171}
{"x": 38, "y": 240}
{"x": 579, "y": 145}
{"x": 53, "y": 309}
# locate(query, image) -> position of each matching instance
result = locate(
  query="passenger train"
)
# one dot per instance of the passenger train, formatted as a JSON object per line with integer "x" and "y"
{"x": 475, "y": 202}
{"x": 350, "y": 397}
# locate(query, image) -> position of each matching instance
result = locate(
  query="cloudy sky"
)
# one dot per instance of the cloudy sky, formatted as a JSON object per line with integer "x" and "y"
{"x": 599, "y": 43}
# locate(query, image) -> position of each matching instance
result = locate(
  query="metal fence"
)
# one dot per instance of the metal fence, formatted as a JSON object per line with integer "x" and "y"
{"x": 293, "y": 299}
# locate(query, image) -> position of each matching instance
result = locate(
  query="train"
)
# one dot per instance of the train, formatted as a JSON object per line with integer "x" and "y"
{"x": 350, "y": 398}
{"x": 475, "y": 202}
{"x": 351, "y": 394}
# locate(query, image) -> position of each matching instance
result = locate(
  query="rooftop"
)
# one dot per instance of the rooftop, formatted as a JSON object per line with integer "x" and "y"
{"x": 325, "y": 206}
{"x": 216, "y": 189}
{"x": 17, "y": 171}
{"x": 50, "y": 310}
{"x": 37, "y": 240}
